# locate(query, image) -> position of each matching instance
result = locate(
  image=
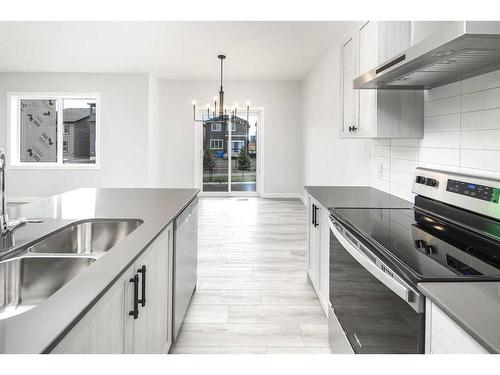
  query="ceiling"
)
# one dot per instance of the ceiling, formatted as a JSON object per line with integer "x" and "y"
{"x": 172, "y": 50}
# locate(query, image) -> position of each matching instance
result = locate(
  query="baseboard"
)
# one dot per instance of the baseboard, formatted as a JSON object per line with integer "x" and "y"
{"x": 282, "y": 195}
{"x": 21, "y": 199}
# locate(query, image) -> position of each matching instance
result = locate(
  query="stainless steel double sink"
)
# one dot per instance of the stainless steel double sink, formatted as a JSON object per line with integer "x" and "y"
{"x": 38, "y": 271}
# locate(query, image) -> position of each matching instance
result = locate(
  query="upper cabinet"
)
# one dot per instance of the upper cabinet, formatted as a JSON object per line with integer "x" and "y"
{"x": 377, "y": 113}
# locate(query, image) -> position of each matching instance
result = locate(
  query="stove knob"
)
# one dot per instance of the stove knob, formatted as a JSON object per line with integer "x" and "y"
{"x": 431, "y": 182}
{"x": 419, "y": 244}
{"x": 430, "y": 250}
{"x": 420, "y": 180}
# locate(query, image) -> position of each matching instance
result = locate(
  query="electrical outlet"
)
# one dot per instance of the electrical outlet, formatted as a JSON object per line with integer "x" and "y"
{"x": 380, "y": 170}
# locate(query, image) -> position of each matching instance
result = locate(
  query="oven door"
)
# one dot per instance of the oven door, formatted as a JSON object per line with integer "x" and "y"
{"x": 378, "y": 311}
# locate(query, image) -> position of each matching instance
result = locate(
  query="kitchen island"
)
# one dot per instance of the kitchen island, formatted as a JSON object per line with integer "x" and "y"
{"x": 42, "y": 328}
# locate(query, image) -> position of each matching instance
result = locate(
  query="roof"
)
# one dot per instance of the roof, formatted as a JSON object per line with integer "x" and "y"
{"x": 77, "y": 114}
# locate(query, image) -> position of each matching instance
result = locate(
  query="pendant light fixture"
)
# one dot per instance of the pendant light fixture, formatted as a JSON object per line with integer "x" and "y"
{"x": 218, "y": 114}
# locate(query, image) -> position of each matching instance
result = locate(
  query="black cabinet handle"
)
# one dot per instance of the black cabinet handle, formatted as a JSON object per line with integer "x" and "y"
{"x": 316, "y": 208}
{"x": 135, "y": 311}
{"x": 142, "y": 300}
{"x": 313, "y": 211}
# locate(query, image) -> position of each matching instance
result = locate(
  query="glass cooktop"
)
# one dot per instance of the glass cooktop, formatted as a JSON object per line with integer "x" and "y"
{"x": 424, "y": 247}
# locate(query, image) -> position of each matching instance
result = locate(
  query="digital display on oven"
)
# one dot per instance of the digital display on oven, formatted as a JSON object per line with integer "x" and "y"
{"x": 485, "y": 193}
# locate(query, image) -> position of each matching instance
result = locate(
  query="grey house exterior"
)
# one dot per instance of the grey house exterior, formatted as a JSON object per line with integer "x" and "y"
{"x": 79, "y": 134}
{"x": 216, "y": 136}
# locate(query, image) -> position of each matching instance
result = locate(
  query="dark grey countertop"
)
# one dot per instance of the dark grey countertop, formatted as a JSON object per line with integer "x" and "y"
{"x": 355, "y": 197}
{"x": 36, "y": 330}
{"x": 474, "y": 306}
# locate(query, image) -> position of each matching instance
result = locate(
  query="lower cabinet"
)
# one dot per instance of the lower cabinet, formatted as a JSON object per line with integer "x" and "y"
{"x": 444, "y": 336}
{"x": 135, "y": 314}
{"x": 318, "y": 250}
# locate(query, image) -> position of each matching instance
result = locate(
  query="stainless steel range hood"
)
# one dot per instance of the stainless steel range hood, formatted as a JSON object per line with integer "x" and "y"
{"x": 464, "y": 49}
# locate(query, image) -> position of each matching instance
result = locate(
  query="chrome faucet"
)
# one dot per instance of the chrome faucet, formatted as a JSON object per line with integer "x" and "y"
{"x": 7, "y": 227}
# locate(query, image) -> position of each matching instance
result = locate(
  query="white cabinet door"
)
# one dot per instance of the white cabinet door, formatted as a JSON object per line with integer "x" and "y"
{"x": 324, "y": 259}
{"x": 444, "y": 336}
{"x": 379, "y": 113}
{"x": 314, "y": 242}
{"x": 348, "y": 96}
{"x": 368, "y": 59}
{"x": 152, "y": 328}
{"x": 110, "y": 328}
{"x": 102, "y": 329}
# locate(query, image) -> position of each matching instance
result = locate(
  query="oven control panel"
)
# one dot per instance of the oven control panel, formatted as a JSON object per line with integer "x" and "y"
{"x": 474, "y": 193}
{"x": 469, "y": 189}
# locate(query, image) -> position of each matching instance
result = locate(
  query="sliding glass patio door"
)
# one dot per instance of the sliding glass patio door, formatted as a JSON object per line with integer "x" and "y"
{"x": 230, "y": 156}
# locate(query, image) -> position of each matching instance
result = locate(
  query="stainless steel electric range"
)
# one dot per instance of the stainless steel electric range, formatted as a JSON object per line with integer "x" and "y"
{"x": 378, "y": 256}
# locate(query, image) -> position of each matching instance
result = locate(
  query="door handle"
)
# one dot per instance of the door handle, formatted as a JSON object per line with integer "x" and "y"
{"x": 142, "y": 300}
{"x": 135, "y": 311}
{"x": 313, "y": 213}
{"x": 316, "y": 208}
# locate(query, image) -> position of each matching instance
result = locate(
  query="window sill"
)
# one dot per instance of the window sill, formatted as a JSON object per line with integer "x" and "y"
{"x": 92, "y": 167}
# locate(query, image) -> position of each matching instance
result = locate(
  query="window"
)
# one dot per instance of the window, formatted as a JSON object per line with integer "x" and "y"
{"x": 216, "y": 144}
{"x": 236, "y": 146}
{"x": 54, "y": 131}
{"x": 233, "y": 127}
{"x": 216, "y": 127}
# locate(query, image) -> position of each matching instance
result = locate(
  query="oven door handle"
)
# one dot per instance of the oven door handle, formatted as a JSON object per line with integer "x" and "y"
{"x": 413, "y": 298}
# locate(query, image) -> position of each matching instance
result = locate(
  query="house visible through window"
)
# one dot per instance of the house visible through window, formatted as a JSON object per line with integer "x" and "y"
{"x": 216, "y": 127}
{"x": 54, "y": 130}
{"x": 216, "y": 144}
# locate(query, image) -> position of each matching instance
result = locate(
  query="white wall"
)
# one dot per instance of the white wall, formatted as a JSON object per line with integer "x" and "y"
{"x": 124, "y": 132}
{"x": 327, "y": 159}
{"x": 461, "y": 134}
{"x": 281, "y": 101}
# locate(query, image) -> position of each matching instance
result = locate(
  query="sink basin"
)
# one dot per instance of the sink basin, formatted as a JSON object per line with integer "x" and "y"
{"x": 87, "y": 237}
{"x": 26, "y": 282}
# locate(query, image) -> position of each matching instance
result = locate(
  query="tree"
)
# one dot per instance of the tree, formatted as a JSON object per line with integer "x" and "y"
{"x": 244, "y": 162}
{"x": 208, "y": 162}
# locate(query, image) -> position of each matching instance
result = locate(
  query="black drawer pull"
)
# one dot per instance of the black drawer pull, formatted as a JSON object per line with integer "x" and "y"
{"x": 142, "y": 300}
{"x": 135, "y": 311}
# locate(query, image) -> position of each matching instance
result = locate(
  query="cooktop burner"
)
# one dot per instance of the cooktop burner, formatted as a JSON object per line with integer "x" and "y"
{"x": 426, "y": 247}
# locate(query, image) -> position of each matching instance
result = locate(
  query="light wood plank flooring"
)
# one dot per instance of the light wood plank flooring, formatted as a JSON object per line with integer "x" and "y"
{"x": 253, "y": 295}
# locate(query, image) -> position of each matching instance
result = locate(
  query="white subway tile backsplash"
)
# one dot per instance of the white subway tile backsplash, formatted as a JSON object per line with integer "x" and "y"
{"x": 482, "y": 82}
{"x": 487, "y": 119}
{"x": 406, "y": 153}
{"x": 442, "y": 167}
{"x": 453, "y": 89}
{"x": 481, "y": 140}
{"x": 447, "y": 156}
{"x": 481, "y": 159}
{"x": 461, "y": 134}
{"x": 406, "y": 166}
{"x": 481, "y": 100}
{"x": 443, "y": 123}
{"x": 441, "y": 139}
{"x": 405, "y": 142}
{"x": 384, "y": 151}
{"x": 442, "y": 106}
{"x": 403, "y": 179}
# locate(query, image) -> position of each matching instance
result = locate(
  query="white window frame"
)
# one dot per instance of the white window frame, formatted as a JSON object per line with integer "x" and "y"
{"x": 216, "y": 127}
{"x": 217, "y": 140}
{"x": 14, "y": 130}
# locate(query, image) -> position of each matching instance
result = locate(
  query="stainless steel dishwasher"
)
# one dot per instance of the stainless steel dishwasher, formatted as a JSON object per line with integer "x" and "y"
{"x": 185, "y": 262}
